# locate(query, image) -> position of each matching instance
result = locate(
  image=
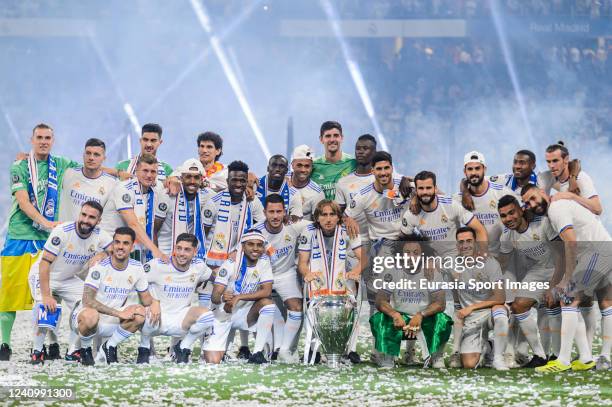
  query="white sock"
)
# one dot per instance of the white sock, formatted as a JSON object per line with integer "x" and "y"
{"x": 279, "y": 328}
{"x": 292, "y": 327}
{"x": 512, "y": 341}
{"x": 529, "y": 326}
{"x": 119, "y": 336}
{"x": 554, "y": 324}
{"x": 544, "y": 329}
{"x": 264, "y": 325}
{"x": 145, "y": 334}
{"x": 606, "y": 332}
{"x": 500, "y": 328}
{"x": 74, "y": 342}
{"x": 590, "y": 315}
{"x": 39, "y": 339}
{"x": 205, "y": 321}
{"x": 582, "y": 343}
{"x": 53, "y": 335}
{"x": 457, "y": 332}
{"x": 244, "y": 338}
{"x": 86, "y": 340}
{"x": 569, "y": 323}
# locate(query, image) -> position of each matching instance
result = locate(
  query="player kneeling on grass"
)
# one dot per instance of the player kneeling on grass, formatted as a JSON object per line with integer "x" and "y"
{"x": 410, "y": 313}
{"x": 103, "y": 311}
{"x": 242, "y": 293}
{"x": 173, "y": 284}
{"x": 481, "y": 298}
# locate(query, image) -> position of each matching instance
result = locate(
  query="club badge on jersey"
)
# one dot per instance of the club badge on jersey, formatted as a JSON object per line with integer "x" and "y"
{"x": 48, "y": 319}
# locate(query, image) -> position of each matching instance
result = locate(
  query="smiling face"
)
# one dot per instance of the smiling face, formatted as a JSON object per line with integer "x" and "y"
{"x": 42, "y": 141}
{"x": 237, "y": 183}
{"x": 536, "y": 201}
{"x": 93, "y": 157}
{"x": 184, "y": 252}
{"x": 122, "y": 246}
{"x": 150, "y": 142}
{"x": 207, "y": 152}
{"x": 191, "y": 182}
{"x": 474, "y": 173}
{"x": 331, "y": 140}
{"x": 511, "y": 216}
{"x": 522, "y": 166}
{"x": 302, "y": 169}
{"x": 253, "y": 249}
{"x": 88, "y": 219}
{"x": 425, "y": 191}
{"x": 556, "y": 163}
{"x": 277, "y": 168}
{"x": 466, "y": 244}
{"x": 383, "y": 172}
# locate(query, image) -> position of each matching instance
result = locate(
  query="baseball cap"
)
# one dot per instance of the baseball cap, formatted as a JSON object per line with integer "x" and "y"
{"x": 192, "y": 166}
{"x": 474, "y": 157}
{"x": 302, "y": 152}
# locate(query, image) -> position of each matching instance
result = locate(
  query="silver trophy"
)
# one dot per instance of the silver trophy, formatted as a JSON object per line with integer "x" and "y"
{"x": 333, "y": 319}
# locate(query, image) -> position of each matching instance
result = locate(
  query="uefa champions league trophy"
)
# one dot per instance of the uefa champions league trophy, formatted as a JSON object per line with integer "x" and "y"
{"x": 333, "y": 317}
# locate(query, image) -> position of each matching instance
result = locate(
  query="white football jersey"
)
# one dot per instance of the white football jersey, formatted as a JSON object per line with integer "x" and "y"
{"x": 485, "y": 210}
{"x": 509, "y": 181}
{"x": 283, "y": 247}
{"x": 246, "y": 281}
{"x": 211, "y": 208}
{"x": 589, "y": 230}
{"x": 78, "y": 189}
{"x": 407, "y": 300}
{"x": 584, "y": 181}
{"x": 114, "y": 286}
{"x": 72, "y": 251}
{"x": 439, "y": 225}
{"x": 382, "y": 213}
{"x": 346, "y": 189}
{"x": 164, "y": 237}
{"x": 311, "y": 195}
{"x": 490, "y": 273}
{"x": 533, "y": 244}
{"x": 174, "y": 288}
{"x": 124, "y": 196}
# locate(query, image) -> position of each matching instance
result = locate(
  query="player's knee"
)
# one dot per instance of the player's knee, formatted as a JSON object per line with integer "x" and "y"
{"x": 294, "y": 304}
{"x": 521, "y": 305}
{"x": 469, "y": 361}
{"x": 139, "y": 315}
{"x": 265, "y": 301}
{"x": 499, "y": 307}
{"x": 213, "y": 357}
{"x": 88, "y": 317}
{"x": 586, "y": 302}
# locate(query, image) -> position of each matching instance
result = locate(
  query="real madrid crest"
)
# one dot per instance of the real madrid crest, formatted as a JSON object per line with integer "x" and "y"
{"x": 492, "y": 204}
{"x": 536, "y": 237}
{"x": 444, "y": 218}
{"x": 130, "y": 280}
{"x": 101, "y": 190}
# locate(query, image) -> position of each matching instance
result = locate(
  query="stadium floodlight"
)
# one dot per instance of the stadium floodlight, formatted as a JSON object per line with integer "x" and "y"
{"x": 354, "y": 70}
{"x": 180, "y": 78}
{"x": 217, "y": 48}
{"x": 507, "y": 53}
{"x": 129, "y": 110}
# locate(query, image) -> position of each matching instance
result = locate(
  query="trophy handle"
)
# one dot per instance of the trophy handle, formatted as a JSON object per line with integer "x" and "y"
{"x": 356, "y": 318}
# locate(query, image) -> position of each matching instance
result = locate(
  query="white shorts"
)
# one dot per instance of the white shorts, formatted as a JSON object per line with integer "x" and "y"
{"x": 217, "y": 341}
{"x": 287, "y": 286}
{"x": 475, "y": 331}
{"x": 171, "y": 324}
{"x": 535, "y": 276}
{"x": 68, "y": 292}
{"x": 592, "y": 272}
{"x": 106, "y": 324}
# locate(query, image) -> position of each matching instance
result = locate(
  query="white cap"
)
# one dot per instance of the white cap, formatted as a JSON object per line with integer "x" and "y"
{"x": 474, "y": 157}
{"x": 192, "y": 166}
{"x": 302, "y": 152}
{"x": 252, "y": 234}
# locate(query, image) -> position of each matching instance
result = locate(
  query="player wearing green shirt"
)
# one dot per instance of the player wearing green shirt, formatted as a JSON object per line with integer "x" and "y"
{"x": 335, "y": 164}
{"x": 35, "y": 188}
{"x": 150, "y": 140}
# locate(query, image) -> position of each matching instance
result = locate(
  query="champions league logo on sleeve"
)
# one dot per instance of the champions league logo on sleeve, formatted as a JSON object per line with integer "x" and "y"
{"x": 95, "y": 275}
{"x": 56, "y": 241}
{"x": 208, "y": 213}
{"x": 126, "y": 198}
{"x": 222, "y": 273}
{"x": 162, "y": 206}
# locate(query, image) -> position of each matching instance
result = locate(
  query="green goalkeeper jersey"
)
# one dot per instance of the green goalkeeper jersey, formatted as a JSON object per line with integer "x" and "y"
{"x": 327, "y": 174}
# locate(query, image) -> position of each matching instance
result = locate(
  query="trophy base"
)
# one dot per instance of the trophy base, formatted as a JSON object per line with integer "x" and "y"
{"x": 333, "y": 360}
